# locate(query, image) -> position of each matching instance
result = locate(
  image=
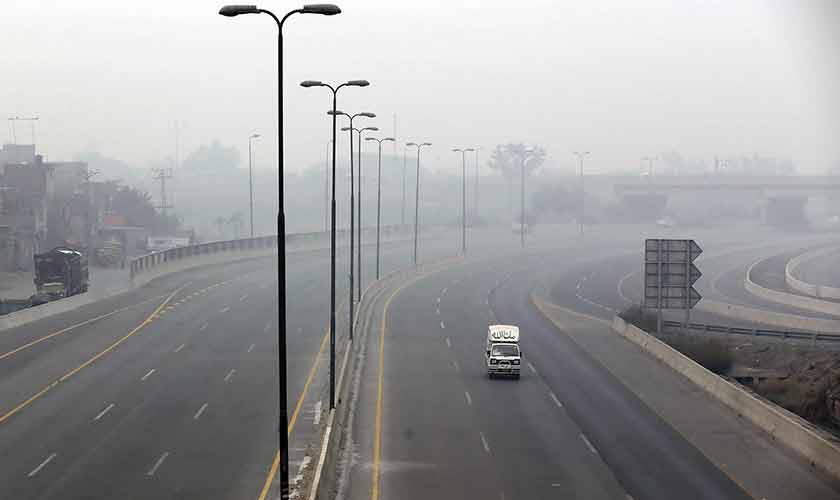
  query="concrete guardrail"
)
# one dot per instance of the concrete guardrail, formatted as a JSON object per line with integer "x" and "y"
{"x": 819, "y": 291}
{"x": 782, "y": 425}
{"x": 789, "y": 299}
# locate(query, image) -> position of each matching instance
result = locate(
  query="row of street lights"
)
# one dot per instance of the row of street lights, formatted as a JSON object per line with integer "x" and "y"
{"x": 281, "y": 459}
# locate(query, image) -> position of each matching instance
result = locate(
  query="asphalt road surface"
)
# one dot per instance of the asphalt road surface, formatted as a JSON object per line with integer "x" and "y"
{"x": 169, "y": 391}
{"x": 430, "y": 423}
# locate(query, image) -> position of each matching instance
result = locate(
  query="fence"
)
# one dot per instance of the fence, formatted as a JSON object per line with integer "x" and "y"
{"x": 149, "y": 261}
{"x": 756, "y": 332}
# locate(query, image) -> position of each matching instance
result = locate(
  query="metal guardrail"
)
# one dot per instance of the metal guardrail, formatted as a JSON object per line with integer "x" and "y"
{"x": 756, "y": 332}
{"x": 149, "y": 261}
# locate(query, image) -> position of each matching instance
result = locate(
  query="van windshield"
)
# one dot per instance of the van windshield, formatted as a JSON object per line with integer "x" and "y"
{"x": 505, "y": 350}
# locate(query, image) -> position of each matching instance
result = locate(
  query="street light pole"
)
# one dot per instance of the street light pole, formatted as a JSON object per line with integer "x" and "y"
{"x": 334, "y": 113}
{"x": 327, "y": 189}
{"x": 359, "y": 217}
{"x": 417, "y": 195}
{"x": 231, "y": 11}
{"x": 580, "y": 157}
{"x": 251, "y": 181}
{"x": 402, "y": 209}
{"x": 475, "y": 201}
{"x": 463, "y": 197}
{"x": 379, "y": 196}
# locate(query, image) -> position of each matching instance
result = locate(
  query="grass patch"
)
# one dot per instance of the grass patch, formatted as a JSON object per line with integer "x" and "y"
{"x": 806, "y": 398}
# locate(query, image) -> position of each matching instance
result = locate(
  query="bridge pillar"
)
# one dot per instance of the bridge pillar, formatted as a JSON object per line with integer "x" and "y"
{"x": 641, "y": 207}
{"x": 785, "y": 211}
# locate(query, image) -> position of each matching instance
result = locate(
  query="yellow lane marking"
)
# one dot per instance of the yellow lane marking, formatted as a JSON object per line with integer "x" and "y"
{"x": 377, "y": 437}
{"x": 314, "y": 369}
{"x": 79, "y": 368}
{"x": 73, "y": 327}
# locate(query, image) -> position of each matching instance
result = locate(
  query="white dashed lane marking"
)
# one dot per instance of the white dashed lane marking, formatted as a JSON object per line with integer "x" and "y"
{"x": 157, "y": 464}
{"x": 147, "y": 375}
{"x": 178, "y": 349}
{"x": 43, "y": 464}
{"x": 556, "y": 401}
{"x": 200, "y": 411}
{"x": 469, "y": 398}
{"x": 484, "y": 442}
{"x": 229, "y": 375}
{"x": 448, "y": 342}
{"x": 103, "y": 412}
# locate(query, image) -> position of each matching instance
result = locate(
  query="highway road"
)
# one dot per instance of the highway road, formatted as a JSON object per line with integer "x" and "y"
{"x": 581, "y": 422}
{"x": 169, "y": 391}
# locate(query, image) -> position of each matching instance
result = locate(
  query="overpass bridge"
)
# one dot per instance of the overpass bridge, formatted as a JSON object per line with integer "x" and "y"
{"x": 781, "y": 199}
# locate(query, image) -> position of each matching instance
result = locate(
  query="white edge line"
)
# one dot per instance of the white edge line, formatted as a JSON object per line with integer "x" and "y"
{"x": 589, "y": 444}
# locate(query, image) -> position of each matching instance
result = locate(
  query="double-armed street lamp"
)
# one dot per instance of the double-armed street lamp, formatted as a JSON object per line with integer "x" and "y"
{"x": 334, "y": 112}
{"x": 581, "y": 156}
{"x": 251, "y": 181}
{"x": 379, "y": 195}
{"x": 463, "y": 196}
{"x": 231, "y": 11}
{"x": 417, "y": 193}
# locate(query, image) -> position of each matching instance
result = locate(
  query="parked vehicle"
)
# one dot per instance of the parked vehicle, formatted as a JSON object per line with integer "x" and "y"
{"x": 60, "y": 273}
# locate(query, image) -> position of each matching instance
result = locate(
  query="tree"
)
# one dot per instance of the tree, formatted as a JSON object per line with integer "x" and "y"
{"x": 212, "y": 158}
{"x": 508, "y": 160}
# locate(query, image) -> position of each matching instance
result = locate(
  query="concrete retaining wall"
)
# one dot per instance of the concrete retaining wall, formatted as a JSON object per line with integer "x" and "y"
{"x": 784, "y": 426}
{"x": 821, "y": 291}
{"x": 790, "y": 299}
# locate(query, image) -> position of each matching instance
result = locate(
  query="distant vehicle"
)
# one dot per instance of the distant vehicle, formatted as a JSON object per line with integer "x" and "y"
{"x": 60, "y": 273}
{"x": 161, "y": 243}
{"x": 502, "y": 353}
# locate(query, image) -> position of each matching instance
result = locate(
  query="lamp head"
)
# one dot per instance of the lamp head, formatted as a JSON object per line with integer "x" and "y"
{"x": 311, "y": 83}
{"x": 326, "y": 9}
{"x": 235, "y": 10}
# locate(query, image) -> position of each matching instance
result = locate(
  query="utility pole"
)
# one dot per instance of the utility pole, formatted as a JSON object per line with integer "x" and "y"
{"x": 162, "y": 175}
{"x": 91, "y": 209}
{"x": 580, "y": 157}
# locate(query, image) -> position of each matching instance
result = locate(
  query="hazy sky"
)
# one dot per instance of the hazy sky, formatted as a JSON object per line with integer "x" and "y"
{"x": 622, "y": 79}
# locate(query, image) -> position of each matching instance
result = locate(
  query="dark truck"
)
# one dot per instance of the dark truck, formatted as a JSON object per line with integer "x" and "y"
{"x": 60, "y": 273}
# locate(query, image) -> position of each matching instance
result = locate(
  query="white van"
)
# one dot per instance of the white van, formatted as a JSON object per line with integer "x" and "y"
{"x": 502, "y": 353}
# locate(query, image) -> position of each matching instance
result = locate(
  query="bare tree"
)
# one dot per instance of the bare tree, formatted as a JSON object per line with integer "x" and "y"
{"x": 509, "y": 159}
